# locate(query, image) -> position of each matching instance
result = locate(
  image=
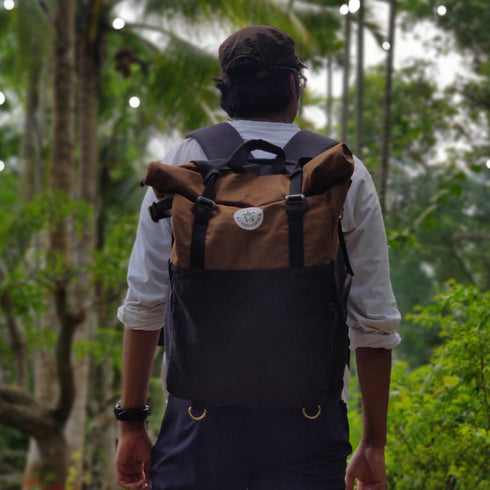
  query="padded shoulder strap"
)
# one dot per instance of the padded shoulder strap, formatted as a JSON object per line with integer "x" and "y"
{"x": 221, "y": 140}
{"x": 217, "y": 141}
{"x": 307, "y": 144}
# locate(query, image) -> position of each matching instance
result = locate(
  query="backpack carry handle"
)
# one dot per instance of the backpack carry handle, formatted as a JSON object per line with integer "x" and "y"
{"x": 240, "y": 156}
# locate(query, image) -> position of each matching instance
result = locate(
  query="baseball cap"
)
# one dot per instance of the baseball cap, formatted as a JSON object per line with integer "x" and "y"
{"x": 267, "y": 47}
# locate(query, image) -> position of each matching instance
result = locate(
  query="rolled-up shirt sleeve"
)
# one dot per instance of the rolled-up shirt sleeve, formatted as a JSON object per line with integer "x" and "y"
{"x": 144, "y": 305}
{"x": 373, "y": 316}
{"x": 148, "y": 279}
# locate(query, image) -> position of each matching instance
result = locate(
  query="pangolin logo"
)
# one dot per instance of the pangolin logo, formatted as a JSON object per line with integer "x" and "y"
{"x": 249, "y": 218}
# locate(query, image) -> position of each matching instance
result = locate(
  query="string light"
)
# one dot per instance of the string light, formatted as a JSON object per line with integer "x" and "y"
{"x": 2, "y": 98}
{"x": 354, "y": 6}
{"x": 134, "y": 102}
{"x": 2, "y": 165}
{"x": 344, "y": 9}
{"x": 441, "y": 10}
{"x": 386, "y": 46}
{"x": 8, "y": 4}
{"x": 118, "y": 23}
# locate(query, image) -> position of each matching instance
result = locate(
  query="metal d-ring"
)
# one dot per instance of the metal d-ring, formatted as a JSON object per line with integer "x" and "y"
{"x": 194, "y": 417}
{"x": 315, "y": 415}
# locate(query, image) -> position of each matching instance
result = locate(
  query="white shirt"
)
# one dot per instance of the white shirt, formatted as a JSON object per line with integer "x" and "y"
{"x": 372, "y": 312}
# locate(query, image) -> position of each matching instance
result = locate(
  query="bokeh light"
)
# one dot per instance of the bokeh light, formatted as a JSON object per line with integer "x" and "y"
{"x": 9, "y": 4}
{"x": 441, "y": 10}
{"x": 134, "y": 102}
{"x": 354, "y": 6}
{"x": 344, "y": 9}
{"x": 118, "y": 23}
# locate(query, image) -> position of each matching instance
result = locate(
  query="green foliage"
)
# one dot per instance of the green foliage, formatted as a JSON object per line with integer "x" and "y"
{"x": 110, "y": 262}
{"x": 439, "y": 413}
{"x": 440, "y": 232}
{"x": 420, "y": 116}
{"x": 468, "y": 21}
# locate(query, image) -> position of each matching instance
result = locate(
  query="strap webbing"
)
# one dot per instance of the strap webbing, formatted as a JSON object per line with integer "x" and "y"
{"x": 295, "y": 208}
{"x": 303, "y": 144}
{"x": 343, "y": 248}
{"x": 307, "y": 144}
{"x": 217, "y": 141}
{"x": 203, "y": 210}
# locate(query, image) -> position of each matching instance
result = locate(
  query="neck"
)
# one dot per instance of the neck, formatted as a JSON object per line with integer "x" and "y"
{"x": 287, "y": 116}
{"x": 272, "y": 118}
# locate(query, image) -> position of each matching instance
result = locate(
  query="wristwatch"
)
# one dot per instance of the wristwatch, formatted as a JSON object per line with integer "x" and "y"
{"x": 131, "y": 414}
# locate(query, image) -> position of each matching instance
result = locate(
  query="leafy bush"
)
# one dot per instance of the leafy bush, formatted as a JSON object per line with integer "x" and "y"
{"x": 439, "y": 415}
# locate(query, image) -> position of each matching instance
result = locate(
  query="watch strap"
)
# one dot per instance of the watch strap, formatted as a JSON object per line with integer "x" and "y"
{"x": 131, "y": 414}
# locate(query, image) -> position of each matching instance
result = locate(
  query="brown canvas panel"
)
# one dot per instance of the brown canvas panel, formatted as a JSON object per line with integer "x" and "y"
{"x": 169, "y": 179}
{"x": 246, "y": 190}
{"x": 326, "y": 169}
{"x": 229, "y": 247}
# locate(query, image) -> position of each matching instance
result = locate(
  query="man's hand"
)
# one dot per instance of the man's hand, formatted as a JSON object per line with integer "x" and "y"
{"x": 367, "y": 466}
{"x": 133, "y": 458}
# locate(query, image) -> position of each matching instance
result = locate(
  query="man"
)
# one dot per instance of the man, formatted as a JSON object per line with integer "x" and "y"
{"x": 238, "y": 448}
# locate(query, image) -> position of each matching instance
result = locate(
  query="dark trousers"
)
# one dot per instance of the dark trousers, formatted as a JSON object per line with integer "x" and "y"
{"x": 254, "y": 449}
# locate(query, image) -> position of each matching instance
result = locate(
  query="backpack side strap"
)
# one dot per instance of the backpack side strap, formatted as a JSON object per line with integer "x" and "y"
{"x": 217, "y": 141}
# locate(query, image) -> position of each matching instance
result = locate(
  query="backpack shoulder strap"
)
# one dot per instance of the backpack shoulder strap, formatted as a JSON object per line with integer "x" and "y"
{"x": 217, "y": 141}
{"x": 307, "y": 144}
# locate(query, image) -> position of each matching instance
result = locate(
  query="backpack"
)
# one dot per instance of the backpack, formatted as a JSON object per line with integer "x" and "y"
{"x": 259, "y": 274}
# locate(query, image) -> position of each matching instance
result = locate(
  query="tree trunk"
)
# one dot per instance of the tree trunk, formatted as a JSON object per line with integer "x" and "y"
{"x": 54, "y": 376}
{"x": 385, "y": 149}
{"x": 360, "y": 81}
{"x": 32, "y": 143}
{"x": 49, "y": 470}
{"x": 346, "y": 77}
{"x": 88, "y": 76}
{"x": 328, "y": 108}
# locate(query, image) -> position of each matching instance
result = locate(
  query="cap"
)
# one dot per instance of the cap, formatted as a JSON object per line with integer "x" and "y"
{"x": 269, "y": 47}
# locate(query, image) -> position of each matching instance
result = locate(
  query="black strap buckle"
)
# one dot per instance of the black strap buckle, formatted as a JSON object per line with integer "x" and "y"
{"x": 203, "y": 203}
{"x": 160, "y": 210}
{"x": 296, "y": 201}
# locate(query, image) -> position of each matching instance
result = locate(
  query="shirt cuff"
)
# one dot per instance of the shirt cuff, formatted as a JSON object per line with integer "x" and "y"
{"x": 361, "y": 338}
{"x": 137, "y": 319}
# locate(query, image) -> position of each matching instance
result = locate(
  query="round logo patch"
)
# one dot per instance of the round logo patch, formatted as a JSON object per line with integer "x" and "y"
{"x": 249, "y": 218}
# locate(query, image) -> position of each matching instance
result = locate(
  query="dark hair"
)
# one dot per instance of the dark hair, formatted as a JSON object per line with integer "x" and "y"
{"x": 246, "y": 93}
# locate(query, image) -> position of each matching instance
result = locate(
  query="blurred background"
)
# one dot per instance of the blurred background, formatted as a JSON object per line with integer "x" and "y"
{"x": 92, "y": 90}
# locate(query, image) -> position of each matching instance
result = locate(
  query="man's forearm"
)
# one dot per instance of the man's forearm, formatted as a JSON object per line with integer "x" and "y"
{"x": 373, "y": 370}
{"x": 138, "y": 352}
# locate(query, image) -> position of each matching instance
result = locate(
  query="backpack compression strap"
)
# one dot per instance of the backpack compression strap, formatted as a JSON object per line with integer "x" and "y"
{"x": 303, "y": 145}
